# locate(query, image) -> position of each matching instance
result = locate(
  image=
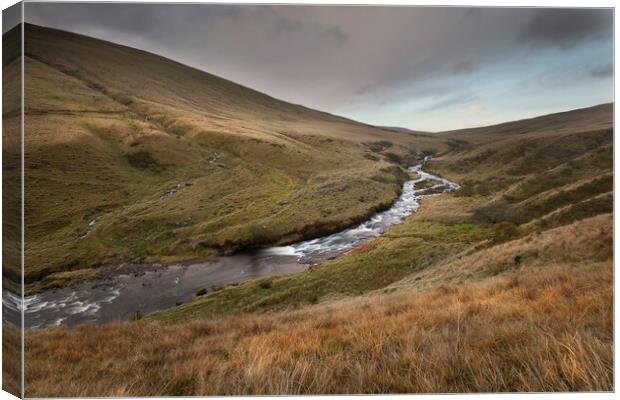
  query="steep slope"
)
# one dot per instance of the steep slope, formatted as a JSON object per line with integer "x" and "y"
{"x": 11, "y": 159}
{"x": 11, "y": 204}
{"x": 133, "y": 156}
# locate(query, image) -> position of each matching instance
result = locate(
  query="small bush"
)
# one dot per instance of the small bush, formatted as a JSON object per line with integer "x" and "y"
{"x": 505, "y": 231}
{"x": 260, "y": 234}
{"x": 379, "y": 146}
{"x": 144, "y": 160}
{"x": 371, "y": 157}
{"x": 394, "y": 158}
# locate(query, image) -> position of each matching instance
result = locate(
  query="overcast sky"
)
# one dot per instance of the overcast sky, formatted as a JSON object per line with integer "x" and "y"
{"x": 420, "y": 68}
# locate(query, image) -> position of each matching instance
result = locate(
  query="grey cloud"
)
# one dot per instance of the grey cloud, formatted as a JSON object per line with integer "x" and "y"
{"x": 286, "y": 25}
{"x": 464, "y": 67}
{"x": 328, "y": 56}
{"x": 449, "y": 102}
{"x": 364, "y": 90}
{"x": 563, "y": 77}
{"x": 334, "y": 33}
{"x": 602, "y": 71}
{"x": 567, "y": 27}
{"x": 11, "y": 16}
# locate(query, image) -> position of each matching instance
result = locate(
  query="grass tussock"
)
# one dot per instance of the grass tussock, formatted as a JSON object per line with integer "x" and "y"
{"x": 11, "y": 359}
{"x": 536, "y": 174}
{"x": 541, "y": 329}
{"x": 589, "y": 240}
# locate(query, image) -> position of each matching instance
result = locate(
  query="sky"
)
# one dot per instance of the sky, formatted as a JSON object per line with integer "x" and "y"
{"x": 431, "y": 69}
{"x": 11, "y": 16}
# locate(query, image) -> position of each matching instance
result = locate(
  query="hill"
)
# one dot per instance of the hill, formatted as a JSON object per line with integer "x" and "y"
{"x": 505, "y": 195}
{"x": 540, "y": 172}
{"x": 566, "y": 122}
{"x": 11, "y": 159}
{"x": 131, "y": 156}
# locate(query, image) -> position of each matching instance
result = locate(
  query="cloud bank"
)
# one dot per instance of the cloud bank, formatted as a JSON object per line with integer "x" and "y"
{"x": 383, "y": 65}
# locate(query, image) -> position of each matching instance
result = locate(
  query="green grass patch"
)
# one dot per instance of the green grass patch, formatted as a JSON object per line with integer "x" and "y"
{"x": 66, "y": 278}
{"x": 144, "y": 160}
{"x": 520, "y": 213}
{"x": 406, "y": 248}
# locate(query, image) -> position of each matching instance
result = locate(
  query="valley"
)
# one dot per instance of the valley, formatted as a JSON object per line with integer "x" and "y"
{"x": 191, "y": 236}
{"x": 153, "y": 168}
{"x": 127, "y": 291}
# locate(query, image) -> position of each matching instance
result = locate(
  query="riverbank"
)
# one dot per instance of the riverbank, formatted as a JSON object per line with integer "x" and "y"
{"x": 393, "y": 178}
{"x": 132, "y": 290}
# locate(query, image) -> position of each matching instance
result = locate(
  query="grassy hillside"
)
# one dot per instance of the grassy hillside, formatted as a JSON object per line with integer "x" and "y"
{"x": 173, "y": 163}
{"x": 11, "y": 160}
{"x": 11, "y": 203}
{"x": 536, "y": 173}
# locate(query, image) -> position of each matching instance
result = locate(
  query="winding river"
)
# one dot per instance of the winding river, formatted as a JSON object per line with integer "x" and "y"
{"x": 154, "y": 287}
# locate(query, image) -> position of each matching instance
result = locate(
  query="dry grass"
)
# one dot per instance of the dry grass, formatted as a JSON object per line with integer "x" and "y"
{"x": 545, "y": 325}
{"x": 543, "y": 329}
{"x": 11, "y": 166}
{"x": 519, "y": 160}
{"x": 11, "y": 359}
{"x": 589, "y": 240}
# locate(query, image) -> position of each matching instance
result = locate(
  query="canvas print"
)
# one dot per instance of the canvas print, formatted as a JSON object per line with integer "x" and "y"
{"x": 229, "y": 199}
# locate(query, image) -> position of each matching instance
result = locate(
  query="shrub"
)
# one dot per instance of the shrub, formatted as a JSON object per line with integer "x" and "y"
{"x": 505, "y": 231}
{"x": 260, "y": 234}
{"x": 144, "y": 160}
{"x": 394, "y": 158}
{"x": 379, "y": 146}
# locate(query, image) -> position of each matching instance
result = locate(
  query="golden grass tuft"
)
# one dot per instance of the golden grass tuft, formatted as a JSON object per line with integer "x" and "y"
{"x": 11, "y": 359}
{"x": 586, "y": 240}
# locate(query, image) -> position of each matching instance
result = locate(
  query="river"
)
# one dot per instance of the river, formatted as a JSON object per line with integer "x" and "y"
{"x": 154, "y": 287}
